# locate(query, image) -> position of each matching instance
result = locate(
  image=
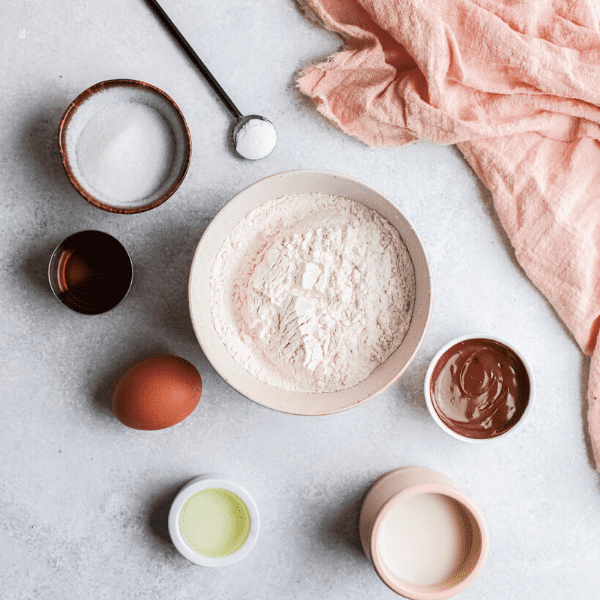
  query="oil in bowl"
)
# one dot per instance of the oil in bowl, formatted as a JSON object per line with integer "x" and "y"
{"x": 213, "y": 521}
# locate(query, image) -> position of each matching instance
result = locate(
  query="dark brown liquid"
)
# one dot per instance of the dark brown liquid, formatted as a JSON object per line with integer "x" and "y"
{"x": 479, "y": 388}
{"x": 92, "y": 272}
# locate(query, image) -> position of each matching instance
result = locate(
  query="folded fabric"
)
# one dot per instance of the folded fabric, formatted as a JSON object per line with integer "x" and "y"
{"x": 517, "y": 87}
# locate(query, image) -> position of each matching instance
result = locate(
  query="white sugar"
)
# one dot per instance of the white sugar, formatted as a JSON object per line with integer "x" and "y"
{"x": 125, "y": 152}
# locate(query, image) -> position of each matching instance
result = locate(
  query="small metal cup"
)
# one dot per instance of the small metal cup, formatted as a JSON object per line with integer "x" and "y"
{"x": 90, "y": 272}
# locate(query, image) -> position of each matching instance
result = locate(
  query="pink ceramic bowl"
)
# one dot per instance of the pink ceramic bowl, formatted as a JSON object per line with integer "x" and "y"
{"x": 425, "y": 537}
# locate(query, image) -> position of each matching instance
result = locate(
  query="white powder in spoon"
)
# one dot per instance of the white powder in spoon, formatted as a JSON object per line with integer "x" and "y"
{"x": 256, "y": 139}
{"x": 312, "y": 292}
{"x": 125, "y": 152}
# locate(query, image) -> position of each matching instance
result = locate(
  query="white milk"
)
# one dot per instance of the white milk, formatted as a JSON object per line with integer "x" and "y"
{"x": 423, "y": 539}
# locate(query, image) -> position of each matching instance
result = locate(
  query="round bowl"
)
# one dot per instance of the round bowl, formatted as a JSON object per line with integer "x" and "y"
{"x": 426, "y": 515}
{"x": 481, "y": 440}
{"x": 205, "y": 482}
{"x": 271, "y": 188}
{"x": 155, "y": 104}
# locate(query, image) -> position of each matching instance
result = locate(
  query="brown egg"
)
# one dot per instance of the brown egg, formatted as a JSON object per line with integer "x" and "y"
{"x": 157, "y": 393}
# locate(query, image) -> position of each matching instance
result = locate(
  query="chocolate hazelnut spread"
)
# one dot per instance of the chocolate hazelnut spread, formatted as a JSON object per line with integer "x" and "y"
{"x": 479, "y": 388}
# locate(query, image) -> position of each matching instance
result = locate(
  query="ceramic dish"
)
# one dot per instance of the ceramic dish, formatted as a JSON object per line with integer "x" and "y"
{"x": 521, "y": 416}
{"x": 122, "y": 91}
{"x": 426, "y": 538}
{"x": 206, "y": 527}
{"x": 277, "y": 186}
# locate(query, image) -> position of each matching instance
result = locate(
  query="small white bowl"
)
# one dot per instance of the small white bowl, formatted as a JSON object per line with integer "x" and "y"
{"x": 119, "y": 92}
{"x": 449, "y": 430}
{"x": 203, "y": 482}
{"x": 271, "y": 188}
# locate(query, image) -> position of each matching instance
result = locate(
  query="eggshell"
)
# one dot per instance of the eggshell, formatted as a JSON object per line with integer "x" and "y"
{"x": 157, "y": 393}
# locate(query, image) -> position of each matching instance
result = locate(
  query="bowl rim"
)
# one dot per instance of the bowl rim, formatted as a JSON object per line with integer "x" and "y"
{"x": 208, "y": 352}
{"x": 412, "y": 590}
{"x": 446, "y": 428}
{"x": 62, "y": 145}
{"x": 209, "y": 481}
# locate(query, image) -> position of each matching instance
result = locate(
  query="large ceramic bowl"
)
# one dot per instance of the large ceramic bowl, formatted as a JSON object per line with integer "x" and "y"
{"x": 271, "y": 188}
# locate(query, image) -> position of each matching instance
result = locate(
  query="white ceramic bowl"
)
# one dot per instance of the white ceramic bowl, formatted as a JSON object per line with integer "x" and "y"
{"x": 204, "y": 482}
{"x": 271, "y": 188}
{"x": 432, "y": 411}
{"x": 407, "y": 484}
{"x": 117, "y": 92}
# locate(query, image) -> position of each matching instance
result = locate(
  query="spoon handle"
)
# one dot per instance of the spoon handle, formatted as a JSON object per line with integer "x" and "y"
{"x": 214, "y": 84}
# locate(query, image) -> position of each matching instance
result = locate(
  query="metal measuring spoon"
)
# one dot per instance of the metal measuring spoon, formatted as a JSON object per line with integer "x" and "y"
{"x": 254, "y": 137}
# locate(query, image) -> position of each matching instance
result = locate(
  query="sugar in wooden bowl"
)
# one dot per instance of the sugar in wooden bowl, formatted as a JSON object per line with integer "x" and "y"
{"x": 125, "y": 146}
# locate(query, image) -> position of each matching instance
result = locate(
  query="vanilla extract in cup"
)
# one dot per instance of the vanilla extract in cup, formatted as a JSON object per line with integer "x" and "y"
{"x": 90, "y": 272}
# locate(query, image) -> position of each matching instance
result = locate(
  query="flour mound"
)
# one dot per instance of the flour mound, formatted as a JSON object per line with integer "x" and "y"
{"x": 312, "y": 292}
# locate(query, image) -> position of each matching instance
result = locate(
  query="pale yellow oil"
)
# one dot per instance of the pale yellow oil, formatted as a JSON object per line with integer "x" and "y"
{"x": 215, "y": 522}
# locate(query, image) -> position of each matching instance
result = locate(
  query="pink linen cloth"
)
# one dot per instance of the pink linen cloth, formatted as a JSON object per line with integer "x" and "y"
{"x": 516, "y": 85}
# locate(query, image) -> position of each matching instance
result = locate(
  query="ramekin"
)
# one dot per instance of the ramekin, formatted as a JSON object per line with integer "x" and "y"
{"x": 427, "y": 383}
{"x": 203, "y": 482}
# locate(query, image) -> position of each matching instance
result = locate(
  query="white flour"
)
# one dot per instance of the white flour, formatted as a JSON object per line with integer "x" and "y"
{"x": 311, "y": 292}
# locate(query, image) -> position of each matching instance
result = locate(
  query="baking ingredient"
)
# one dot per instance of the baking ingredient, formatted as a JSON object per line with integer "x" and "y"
{"x": 157, "y": 393}
{"x": 215, "y": 522}
{"x": 256, "y": 138}
{"x": 92, "y": 272}
{"x": 479, "y": 388}
{"x": 426, "y": 539}
{"x": 125, "y": 152}
{"x": 311, "y": 292}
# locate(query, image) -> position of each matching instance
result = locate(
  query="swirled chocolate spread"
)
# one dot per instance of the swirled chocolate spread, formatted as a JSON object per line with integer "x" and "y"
{"x": 479, "y": 388}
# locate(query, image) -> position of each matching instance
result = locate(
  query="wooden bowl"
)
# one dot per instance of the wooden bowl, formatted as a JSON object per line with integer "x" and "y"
{"x": 108, "y": 94}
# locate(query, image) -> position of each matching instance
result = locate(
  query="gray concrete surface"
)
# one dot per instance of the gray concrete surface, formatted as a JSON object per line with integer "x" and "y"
{"x": 83, "y": 500}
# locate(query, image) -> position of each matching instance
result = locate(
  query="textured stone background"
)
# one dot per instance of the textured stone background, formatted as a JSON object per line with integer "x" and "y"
{"x": 83, "y": 500}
